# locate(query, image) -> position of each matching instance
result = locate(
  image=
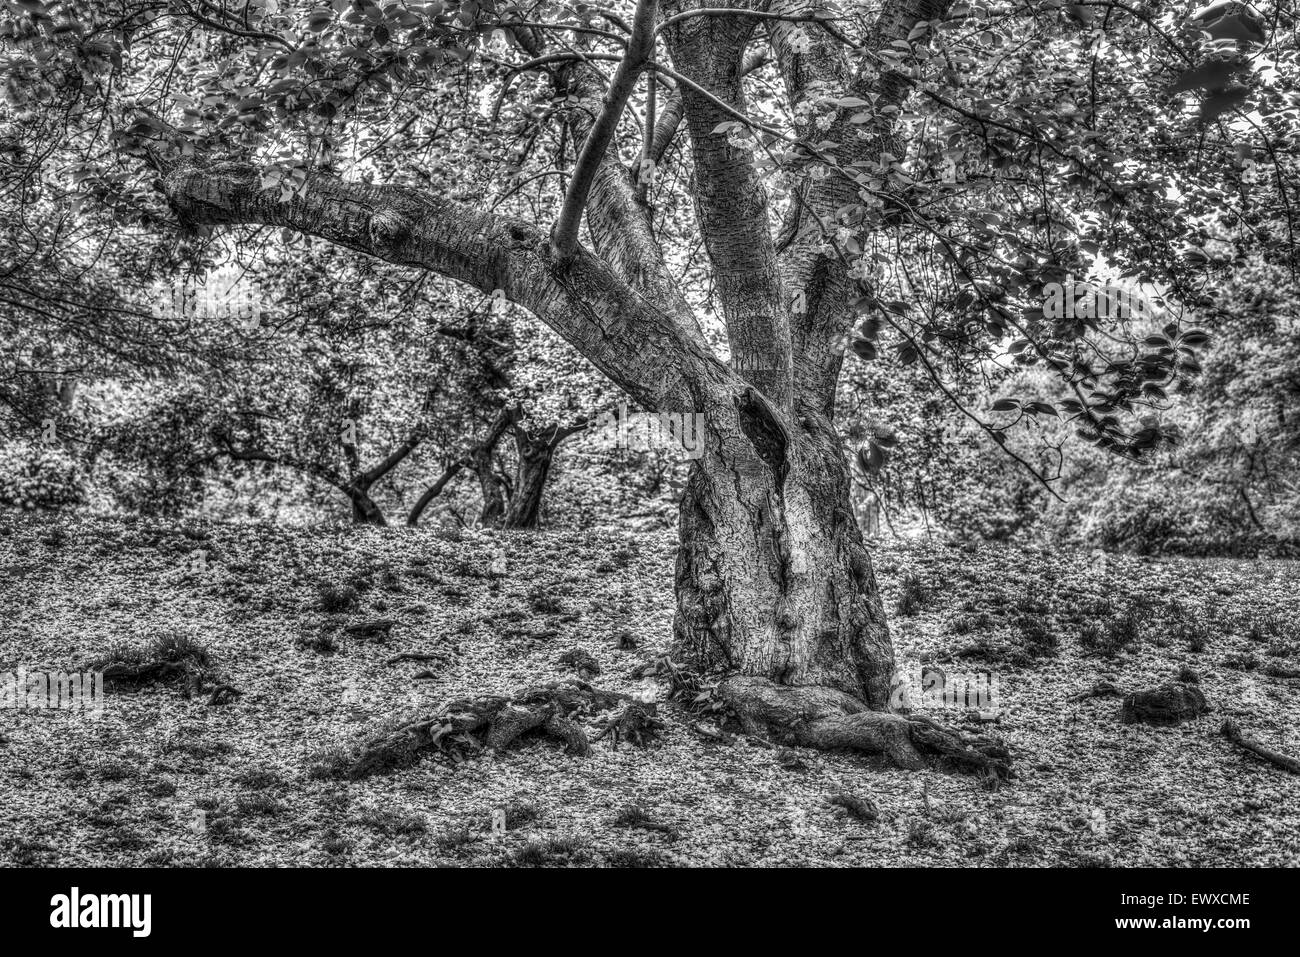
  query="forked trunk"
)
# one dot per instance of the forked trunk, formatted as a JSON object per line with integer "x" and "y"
{"x": 536, "y": 453}
{"x": 364, "y": 509}
{"x": 773, "y": 579}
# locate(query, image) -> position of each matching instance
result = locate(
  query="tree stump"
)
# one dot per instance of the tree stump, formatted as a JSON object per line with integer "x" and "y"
{"x": 1169, "y": 704}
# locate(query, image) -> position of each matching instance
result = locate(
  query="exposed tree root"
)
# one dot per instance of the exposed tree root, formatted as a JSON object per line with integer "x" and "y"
{"x": 1281, "y": 671}
{"x": 186, "y": 674}
{"x": 378, "y": 630}
{"x": 495, "y": 721}
{"x": 828, "y": 719}
{"x": 224, "y": 694}
{"x": 636, "y": 723}
{"x": 146, "y": 672}
{"x": 1284, "y": 761}
{"x": 415, "y": 656}
{"x": 1102, "y": 689}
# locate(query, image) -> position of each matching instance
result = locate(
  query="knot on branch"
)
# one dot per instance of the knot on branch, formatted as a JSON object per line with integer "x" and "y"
{"x": 388, "y": 228}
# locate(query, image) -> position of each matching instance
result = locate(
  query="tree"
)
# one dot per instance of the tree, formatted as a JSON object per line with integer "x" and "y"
{"x": 773, "y": 581}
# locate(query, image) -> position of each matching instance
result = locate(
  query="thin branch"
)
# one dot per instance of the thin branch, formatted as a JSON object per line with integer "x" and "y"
{"x": 640, "y": 48}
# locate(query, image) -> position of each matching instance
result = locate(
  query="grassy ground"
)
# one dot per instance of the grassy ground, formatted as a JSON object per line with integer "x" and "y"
{"x": 161, "y": 778}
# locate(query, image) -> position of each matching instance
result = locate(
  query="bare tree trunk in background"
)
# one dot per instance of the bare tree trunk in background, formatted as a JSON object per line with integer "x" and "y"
{"x": 536, "y": 453}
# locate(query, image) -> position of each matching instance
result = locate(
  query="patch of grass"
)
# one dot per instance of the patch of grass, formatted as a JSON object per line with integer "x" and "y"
{"x": 1036, "y": 637}
{"x": 321, "y": 642}
{"x": 633, "y": 815}
{"x": 555, "y": 852}
{"x": 521, "y": 813}
{"x": 545, "y": 602}
{"x": 1241, "y": 661}
{"x": 1273, "y": 627}
{"x": 390, "y": 580}
{"x": 116, "y": 771}
{"x": 1195, "y": 633}
{"x": 1115, "y": 633}
{"x": 352, "y": 764}
{"x": 920, "y": 835}
{"x": 393, "y": 823}
{"x": 914, "y": 596}
{"x": 334, "y": 844}
{"x": 179, "y": 648}
{"x": 168, "y": 657}
{"x": 199, "y": 750}
{"x": 125, "y": 839}
{"x": 257, "y": 805}
{"x": 336, "y": 599}
{"x": 161, "y": 789}
{"x": 1189, "y": 676}
{"x": 635, "y": 858}
{"x": 258, "y": 779}
{"x": 226, "y": 830}
{"x": 454, "y": 839}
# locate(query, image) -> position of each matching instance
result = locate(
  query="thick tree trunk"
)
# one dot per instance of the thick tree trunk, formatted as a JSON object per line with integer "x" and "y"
{"x": 492, "y": 489}
{"x": 773, "y": 579}
{"x": 535, "y": 457}
{"x": 364, "y": 509}
{"x": 536, "y": 454}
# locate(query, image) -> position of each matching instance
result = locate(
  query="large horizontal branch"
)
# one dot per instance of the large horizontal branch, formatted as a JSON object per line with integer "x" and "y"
{"x": 638, "y": 346}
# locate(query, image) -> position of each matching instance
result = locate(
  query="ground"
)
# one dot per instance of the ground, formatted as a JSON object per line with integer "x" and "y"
{"x": 160, "y": 777}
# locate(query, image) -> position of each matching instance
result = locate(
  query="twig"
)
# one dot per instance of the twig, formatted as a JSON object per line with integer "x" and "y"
{"x": 1233, "y": 734}
{"x": 412, "y": 656}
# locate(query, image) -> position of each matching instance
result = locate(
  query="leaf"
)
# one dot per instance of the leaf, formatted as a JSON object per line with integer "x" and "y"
{"x": 864, "y": 350}
{"x": 1214, "y": 75}
{"x": 1042, "y": 408}
{"x": 1217, "y": 104}
{"x": 1236, "y": 26}
{"x": 1005, "y": 405}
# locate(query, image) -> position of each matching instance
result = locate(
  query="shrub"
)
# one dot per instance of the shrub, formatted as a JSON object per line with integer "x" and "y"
{"x": 913, "y": 597}
{"x": 36, "y": 475}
